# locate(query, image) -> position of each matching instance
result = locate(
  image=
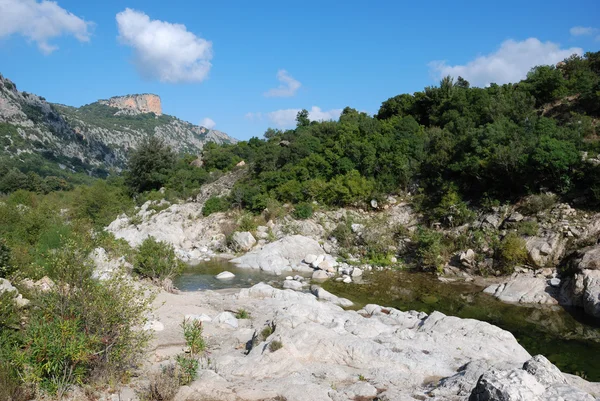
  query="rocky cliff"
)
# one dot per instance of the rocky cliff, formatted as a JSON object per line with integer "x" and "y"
{"x": 135, "y": 104}
{"x": 92, "y": 138}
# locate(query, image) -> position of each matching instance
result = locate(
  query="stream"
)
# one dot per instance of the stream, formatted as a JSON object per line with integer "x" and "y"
{"x": 568, "y": 338}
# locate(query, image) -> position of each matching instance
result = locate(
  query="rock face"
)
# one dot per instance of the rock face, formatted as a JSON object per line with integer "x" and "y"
{"x": 583, "y": 287}
{"x": 329, "y": 354}
{"x": 537, "y": 380}
{"x": 98, "y": 135}
{"x": 136, "y": 104}
{"x": 525, "y": 289}
{"x": 286, "y": 254}
{"x": 546, "y": 250}
{"x": 243, "y": 241}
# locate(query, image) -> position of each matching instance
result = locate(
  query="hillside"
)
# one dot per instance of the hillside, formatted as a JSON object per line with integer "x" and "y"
{"x": 93, "y": 138}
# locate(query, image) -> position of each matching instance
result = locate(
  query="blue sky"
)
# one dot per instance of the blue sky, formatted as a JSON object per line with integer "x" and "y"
{"x": 248, "y": 66}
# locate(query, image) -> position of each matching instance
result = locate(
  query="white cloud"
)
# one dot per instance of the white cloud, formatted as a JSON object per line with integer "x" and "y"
{"x": 288, "y": 86}
{"x": 164, "y": 51}
{"x": 287, "y": 118}
{"x": 510, "y": 63}
{"x": 583, "y": 30}
{"x": 208, "y": 123}
{"x": 40, "y": 22}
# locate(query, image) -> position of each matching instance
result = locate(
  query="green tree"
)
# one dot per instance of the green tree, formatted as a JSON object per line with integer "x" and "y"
{"x": 150, "y": 165}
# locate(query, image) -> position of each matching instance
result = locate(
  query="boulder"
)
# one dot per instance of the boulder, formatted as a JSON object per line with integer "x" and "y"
{"x": 285, "y": 254}
{"x": 6, "y": 285}
{"x": 292, "y": 285}
{"x": 320, "y": 275}
{"x": 226, "y": 318}
{"x": 325, "y": 295}
{"x": 243, "y": 241}
{"x": 225, "y": 276}
{"x": 588, "y": 258}
{"x": 356, "y": 272}
{"x": 467, "y": 259}
{"x": 537, "y": 380}
{"x": 525, "y": 289}
{"x": 315, "y": 264}
{"x": 198, "y": 318}
{"x": 310, "y": 258}
{"x": 546, "y": 250}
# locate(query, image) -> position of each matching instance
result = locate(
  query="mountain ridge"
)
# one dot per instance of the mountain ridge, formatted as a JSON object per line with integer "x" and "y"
{"x": 93, "y": 138}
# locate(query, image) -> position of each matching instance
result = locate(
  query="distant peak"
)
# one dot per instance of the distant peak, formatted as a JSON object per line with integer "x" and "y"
{"x": 144, "y": 103}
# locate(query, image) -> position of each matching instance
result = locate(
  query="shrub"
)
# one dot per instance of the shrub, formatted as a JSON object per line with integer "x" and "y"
{"x": 343, "y": 234}
{"x": 535, "y": 204}
{"x": 510, "y": 252}
{"x": 247, "y": 223}
{"x": 188, "y": 368}
{"x": 163, "y": 385}
{"x": 215, "y": 204}
{"x": 156, "y": 260}
{"x": 242, "y": 314}
{"x": 430, "y": 248}
{"x": 84, "y": 327}
{"x": 528, "y": 227}
{"x": 303, "y": 211}
{"x": 266, "y": 332}
{"x": 275, "y": 345}
{"x": 192, "y": 332}
{"x": 5, "y": 259}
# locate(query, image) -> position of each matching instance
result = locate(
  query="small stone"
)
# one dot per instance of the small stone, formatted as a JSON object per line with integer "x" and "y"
{"x": 226, "y": 318}
{"x": 298, "y": 278}
{"x": 356, "y": 272}
{"x": 374, "y": 203}
{"x": 555, "y": 282}
{"x": 315, "y": 264}
{"x": 347, "y": 280}
{"x": 325, "y": 265}
{"x": 225, "y": 276}
{"x": 393, "y": 259}
{"x": 289, "y": 278}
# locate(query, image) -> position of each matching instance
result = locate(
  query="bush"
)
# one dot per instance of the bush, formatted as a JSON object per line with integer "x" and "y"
{"x": 242, "y": 314}
{"x": 303, "y": 211}
{"x": 156, "y": 260}
{"x": 511, "y": 252}
{"x": 163, "y": 385}
{"x": 430, "y": 248}
{"x": 528, "y": 227}
{"x": 215, "y": 204}
{"x": 343, "y": 234}
{"x": 192, "y": 332}
{"x": 275, "y": 345}
{"x": 84, "y": 327}
{"x": 535, "y": 204}
{"x": 247, "y": 223}
{"x": 5, "y": 259}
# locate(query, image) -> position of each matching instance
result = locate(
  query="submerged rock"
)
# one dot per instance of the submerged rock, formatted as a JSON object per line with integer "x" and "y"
{"x": 225, "y": 276}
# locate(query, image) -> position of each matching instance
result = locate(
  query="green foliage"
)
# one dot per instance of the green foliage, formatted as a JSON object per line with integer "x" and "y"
{"x": 266, "y": 332}
{"x": 242, "y": 314}
{"x": 303, "y": 211}
{"x": 86, "y": 326}
{"x": 247, "y": 223}
{"x": 156, "y": 260}
{"x": 188, "y": 369}
{"x": 511, "y": 252}
{"x": 528, "y": 227}
{"x": 163, "y": 385}
{"x": 430, "y": 248}
{"x": 535, "y": 204}
{"x": 215, "y": 204}
{"x": 5, "y": 259}
{"x": 150, "y": 165}
{"x": 192, "y": 332}
{"x": 452, "y": 211}
{"x": 343, "y": 234}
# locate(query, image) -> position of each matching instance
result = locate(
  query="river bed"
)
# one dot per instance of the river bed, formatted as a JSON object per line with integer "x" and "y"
{"x": 567, "y": 338}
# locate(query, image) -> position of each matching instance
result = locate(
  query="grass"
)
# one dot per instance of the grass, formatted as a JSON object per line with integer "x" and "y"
{"x": 275, "y": 345}
{"x": 242, "y": 314}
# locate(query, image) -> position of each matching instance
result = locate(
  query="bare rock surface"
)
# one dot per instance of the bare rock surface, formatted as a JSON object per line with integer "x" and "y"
{"x": 331, "y": 354}
{"x": 286, "y": 254}
{"x": 525, "y": 289}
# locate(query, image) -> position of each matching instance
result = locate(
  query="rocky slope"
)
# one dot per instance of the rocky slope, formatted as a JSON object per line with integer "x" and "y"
{"x": 91, "y": 137}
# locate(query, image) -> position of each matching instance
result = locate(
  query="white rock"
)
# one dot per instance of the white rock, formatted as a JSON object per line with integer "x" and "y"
{"x": 320, "y": 275}
{"x": 292, "y": 285}
{"x": 325, "y": 295}
{"x": 243, "y": 241}
{"x": 555, "y": 282}
{"x": 225, "y": 275}
{"x": 285, "y": 254}
{"x": 318, "y": 261}
{"x": 200, "y": 318}
{"x": 347, "y": 280}
{"x": 357, "y": 272}
{"x": 310, "y": 258}
{"x": 226, "y": 318}
{"x": 289, "y": 278}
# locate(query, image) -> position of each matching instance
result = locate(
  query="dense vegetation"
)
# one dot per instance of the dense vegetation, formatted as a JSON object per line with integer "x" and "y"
{"x": 450, "y": 142}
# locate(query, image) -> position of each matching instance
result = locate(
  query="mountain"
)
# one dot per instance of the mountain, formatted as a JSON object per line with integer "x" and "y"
{"x": 93, "y": 138}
